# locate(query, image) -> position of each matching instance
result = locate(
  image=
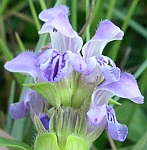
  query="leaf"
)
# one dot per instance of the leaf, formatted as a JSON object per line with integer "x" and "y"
{"x": 46, "y": 141}
{"x": 141, "y": 143}
{"x": 13, "y": 144}
{"x": 48, "y": 91}
{"x": 76, "y": 143}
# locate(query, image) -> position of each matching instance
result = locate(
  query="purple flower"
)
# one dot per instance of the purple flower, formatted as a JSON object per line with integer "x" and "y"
{"x": 32, "y": 102}
{"x": 126, "y": 87}
{"x": 25, "y": 64}
{"x": 61, "y": 59}
{"x": 105, "y": 33}
{"x": 55, "y": 62}
{"x": 44, "y": 120}
{"x": 98, "y": 114}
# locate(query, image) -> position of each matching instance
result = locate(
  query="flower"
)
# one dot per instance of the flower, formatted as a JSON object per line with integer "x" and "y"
{"x": 32, "y": 102}
{"x": 82, "y": 81}
{"x": 44, "y": 120}
{"x": 126, "y": 87}
{"x": 55, "y": 62}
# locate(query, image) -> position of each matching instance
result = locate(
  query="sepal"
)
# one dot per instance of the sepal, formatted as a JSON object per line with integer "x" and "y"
{"x": 46, "y": 141}
{"x": 76, "y": 143}
{"x": 39, "y": 126}
{"x": 67, "y": 122}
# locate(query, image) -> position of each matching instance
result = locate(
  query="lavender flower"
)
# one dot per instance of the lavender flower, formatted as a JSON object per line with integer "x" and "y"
{"x": 53, "y": 64}
{"x": 126, "y": 87}
{"x": 45, "y": 120}
{"x": 32, "y": 102}
{"x": 84, "y": 81}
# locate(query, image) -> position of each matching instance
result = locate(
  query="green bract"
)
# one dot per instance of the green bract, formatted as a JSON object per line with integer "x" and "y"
{"x": 48, "y": 91}
{"x": 76, "y": 143}
{"x": 46, "y": 141}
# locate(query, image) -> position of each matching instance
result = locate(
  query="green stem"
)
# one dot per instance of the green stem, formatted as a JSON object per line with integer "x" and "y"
{"x": 20, "y": 43}
{"x": 124, "y": 27}
{"x": 3, "y": 6}
{"x": 110, "y": 9}
{"x": 34, "y": 13}
{"x": 74, "y": 14}
{"x": 42, "y": 4}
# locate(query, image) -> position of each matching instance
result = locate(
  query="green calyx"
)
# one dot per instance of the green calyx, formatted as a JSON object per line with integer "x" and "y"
{"x": 67, "y": 122}
{"x": 48, "y": 141}
{"x": 67, "y": 125}
{"x": 73, "y": 92}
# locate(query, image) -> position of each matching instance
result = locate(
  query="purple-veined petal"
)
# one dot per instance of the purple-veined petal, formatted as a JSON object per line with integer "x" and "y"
{"x": 96, "y": 114}
{"x": 126, "y": 87}
{"x": 105, "y": 33}
{"x": 25, "y": 63}
{"x": 63, "y": 43}
{"x": 111, "y": 74}
{"x": 101, "y": 97}
{"x": 49, "y": 14}
{"x": 94, "y": 78}
{"x": 18, "y": 110}
{"x": 116, "y": 130}
{"x": 77, "y": 61}
{"x": 53, "y": 65}
{"x": 91, "y": 65}
{"x": 45, "y": 120}
{"x": 63, "y": 37}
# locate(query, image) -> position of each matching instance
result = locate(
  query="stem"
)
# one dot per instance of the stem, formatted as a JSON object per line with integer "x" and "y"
{"x": 88, "y": 19}
{"x": 74, "y": 14}
{"x": 111, "y": 142}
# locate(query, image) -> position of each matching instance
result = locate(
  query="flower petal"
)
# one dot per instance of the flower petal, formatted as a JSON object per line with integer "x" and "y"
{"x": 105, "y": 33}
{"x": 18, "y": 110}
{"x": 63, "y": 43}
{"x": 77, "y": 61}
{"x": 111, "y": 74}
{"x": 59, "y": 23}
{"x": 49, "y": 14}
{"x": 116, "y": 130}
{"x": 32, "y": 102}
{"x": 63, "y": 37}
{"x": 36, "y": 102}
{"x": 53, "y": 65}
{"x": 96, "y": 114}
{"x": 101, "y": 97}
{"x": 25, "y": 63}
{"x": 91, "y": 65}
{"x": 45, "y": 120}
{"x": 126, "y": 87}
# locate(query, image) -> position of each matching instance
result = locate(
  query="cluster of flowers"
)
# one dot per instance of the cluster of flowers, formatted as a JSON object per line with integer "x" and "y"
{"x": 81, "y": 80}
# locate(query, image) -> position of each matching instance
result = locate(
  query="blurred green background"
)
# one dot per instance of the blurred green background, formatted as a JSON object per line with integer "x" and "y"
{"x": 19, "y": 27}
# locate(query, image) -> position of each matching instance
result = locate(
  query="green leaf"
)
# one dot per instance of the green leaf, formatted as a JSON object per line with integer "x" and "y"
{"x": 13, "y": 144}
{"x": 76, "y": 143}
{"x": 141, "y": 143}
{"x": 48, "y": 91}
{"x": 46, "y": 141}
